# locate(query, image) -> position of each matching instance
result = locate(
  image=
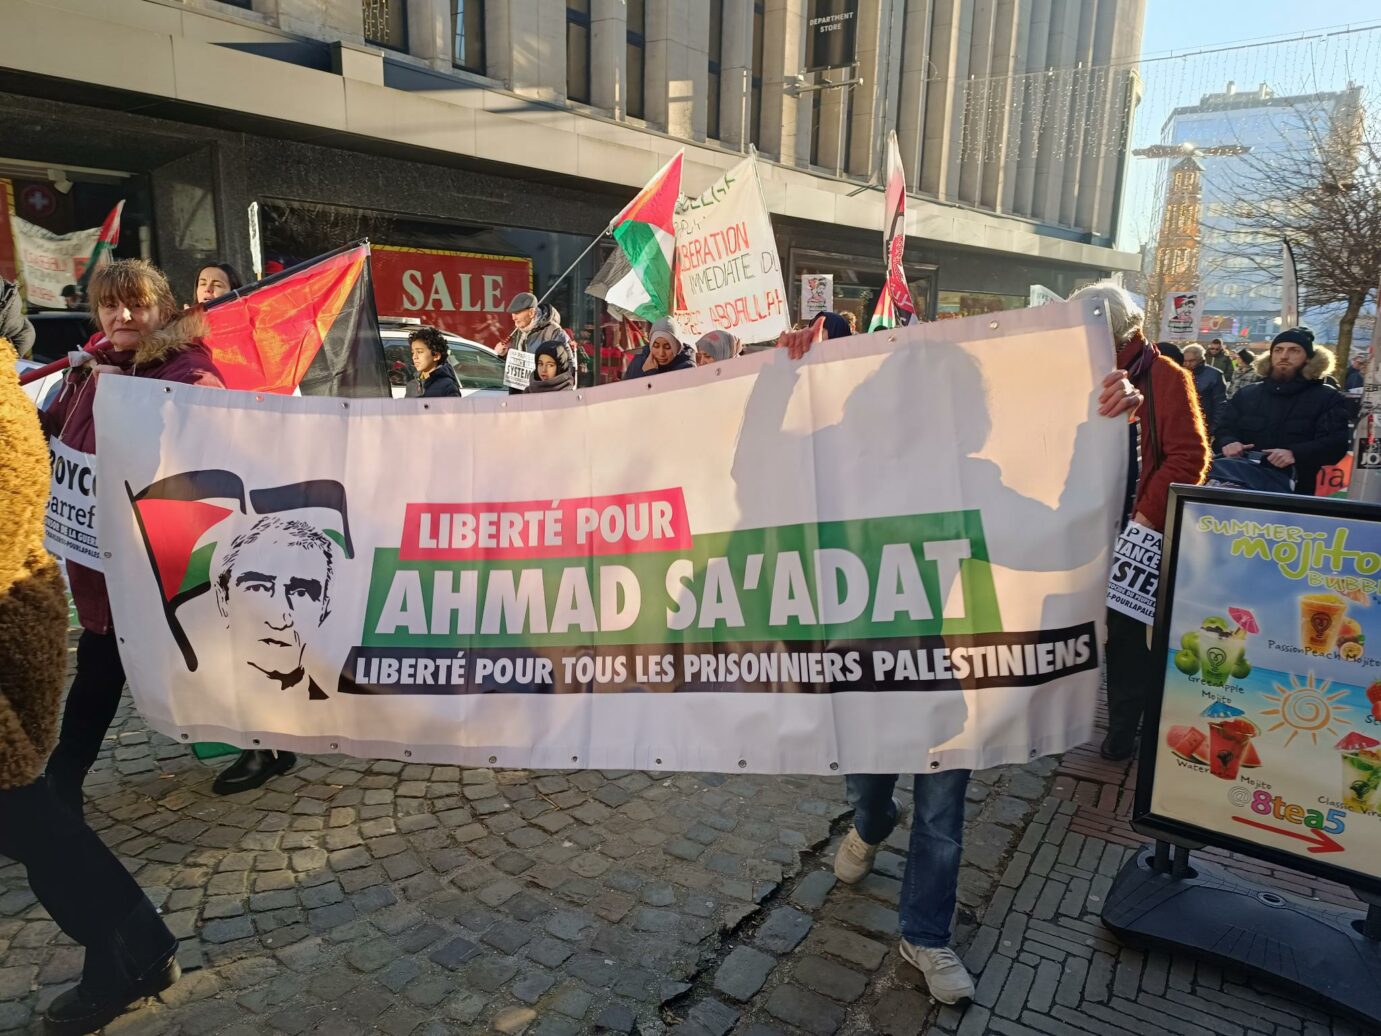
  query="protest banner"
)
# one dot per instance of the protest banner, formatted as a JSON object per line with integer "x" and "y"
{"x": 728, "y": 273}
{"x": 69, "y": 526}
{"x": 862, "y": 572}
{"x": 1179, "y": 316}
{"x": 817, "y": 294}
{"x": 49, "y": 262}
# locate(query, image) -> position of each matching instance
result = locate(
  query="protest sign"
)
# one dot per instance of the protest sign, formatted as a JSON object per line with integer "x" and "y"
{"x": 817, "y": 294}
{"x": 1135, "y": 571}
{"x": 69, "y": 527}
{"x": 518, "y": 368}
{"x": 1179, "y": 316}
{"x": 49, "y": 262}
{"x": 728, "y": 273}
{"x": 863, "y": 571}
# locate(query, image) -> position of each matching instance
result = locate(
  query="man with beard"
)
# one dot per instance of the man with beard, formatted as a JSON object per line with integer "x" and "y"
{"x": 273, "y": 590}
{"x": 1291, "y": 416}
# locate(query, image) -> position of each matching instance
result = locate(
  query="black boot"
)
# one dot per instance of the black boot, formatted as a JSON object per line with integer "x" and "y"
{"x": 252, "y": 769}
{"x": 1120, "y": 744}
{"x": 139, "y": 960}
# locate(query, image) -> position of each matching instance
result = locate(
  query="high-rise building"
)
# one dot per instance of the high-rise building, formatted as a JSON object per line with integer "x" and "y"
{"x": 510, "y": 131}
{"x": 1241, "y": 277}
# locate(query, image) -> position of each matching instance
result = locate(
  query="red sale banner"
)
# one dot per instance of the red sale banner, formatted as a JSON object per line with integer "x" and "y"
{"x": 464, "y": 292}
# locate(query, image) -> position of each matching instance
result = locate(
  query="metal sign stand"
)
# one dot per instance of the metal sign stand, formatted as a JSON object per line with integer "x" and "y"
{"x": 796, "y": 85}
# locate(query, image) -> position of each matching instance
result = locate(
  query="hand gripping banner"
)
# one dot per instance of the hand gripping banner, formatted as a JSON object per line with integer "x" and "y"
{"x": 891, "y": 556}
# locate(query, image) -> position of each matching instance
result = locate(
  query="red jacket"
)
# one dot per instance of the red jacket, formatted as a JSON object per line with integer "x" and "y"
{"x": 174, "y": 353}
{"x": 1182, "y": 453}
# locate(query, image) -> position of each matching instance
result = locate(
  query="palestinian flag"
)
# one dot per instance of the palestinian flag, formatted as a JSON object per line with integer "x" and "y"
{"x": 183, "y": 522}
{"x": 637, "y": 279}
{"x": 312, "y": 327}
{"x": 894, "y": 305}
{"x": 104, "y": 251}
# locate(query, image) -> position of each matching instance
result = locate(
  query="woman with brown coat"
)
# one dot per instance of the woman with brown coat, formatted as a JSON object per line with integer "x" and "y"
{"x": 130, "y": 953}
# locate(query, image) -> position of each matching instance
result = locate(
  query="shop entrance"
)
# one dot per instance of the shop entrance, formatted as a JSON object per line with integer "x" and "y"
{"x": 858, "y": 282}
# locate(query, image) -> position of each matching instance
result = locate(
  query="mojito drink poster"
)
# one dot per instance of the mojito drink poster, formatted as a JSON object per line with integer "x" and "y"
{"x": 1271, "y": 718}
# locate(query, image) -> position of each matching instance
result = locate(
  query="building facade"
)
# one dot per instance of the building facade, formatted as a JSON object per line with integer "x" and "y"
{"x": 1240, "y": 276}
{"x": 472, "y": 130}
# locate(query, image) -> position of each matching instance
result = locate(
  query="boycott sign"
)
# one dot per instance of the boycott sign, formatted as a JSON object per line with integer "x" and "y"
{"x": 1268, "y": 738}
{"x": 1135, "y": 571}
{"x": 727, "y": 268}
{"x": 69, "y": 527}
{"x": 464, "y": 292}
{"x": 634, "y": 610}
{"x": 50, "y": 262}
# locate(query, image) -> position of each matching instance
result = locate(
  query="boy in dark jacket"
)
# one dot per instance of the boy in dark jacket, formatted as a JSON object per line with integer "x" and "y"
{"x": 429, "y": 357}
{"x": 1291, "y": 416}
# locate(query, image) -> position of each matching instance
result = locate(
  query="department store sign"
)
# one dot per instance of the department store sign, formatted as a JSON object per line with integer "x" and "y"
{"x": 831, "y": 34}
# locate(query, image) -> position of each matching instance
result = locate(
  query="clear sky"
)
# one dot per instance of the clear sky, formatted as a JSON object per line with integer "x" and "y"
{"x": 1185, "y": 26}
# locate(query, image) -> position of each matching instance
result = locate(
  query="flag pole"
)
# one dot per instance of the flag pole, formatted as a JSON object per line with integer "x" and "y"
{"x": 557, "y": 283}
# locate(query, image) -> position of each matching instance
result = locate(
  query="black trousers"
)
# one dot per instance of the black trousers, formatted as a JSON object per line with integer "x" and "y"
{"x": 1130, "y": 672}
{"x": 84, "y": 888}
{"x": 91, "y": 705}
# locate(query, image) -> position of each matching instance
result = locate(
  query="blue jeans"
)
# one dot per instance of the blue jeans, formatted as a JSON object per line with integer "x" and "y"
{"x": 931, "y": 882}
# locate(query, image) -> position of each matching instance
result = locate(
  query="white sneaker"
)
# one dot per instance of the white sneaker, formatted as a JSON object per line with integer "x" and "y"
{"x": 854, "y": 860}
{"x": 945, "y": 975}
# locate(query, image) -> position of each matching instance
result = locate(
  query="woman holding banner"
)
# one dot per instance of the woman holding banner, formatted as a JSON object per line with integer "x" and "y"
{"x": 142, "y": 334}
{"x": 1169, "y": 444}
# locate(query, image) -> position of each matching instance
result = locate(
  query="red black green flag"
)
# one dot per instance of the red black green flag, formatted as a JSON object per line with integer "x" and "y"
{"x": 312, "y": 327}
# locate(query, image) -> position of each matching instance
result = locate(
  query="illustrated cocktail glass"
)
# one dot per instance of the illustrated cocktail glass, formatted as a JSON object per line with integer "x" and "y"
{"x": 1227, "y": 744}
{"x": 1361, "y": 780}
{"x": 1219, "y": 653}
{"x": 1320, "y": 621}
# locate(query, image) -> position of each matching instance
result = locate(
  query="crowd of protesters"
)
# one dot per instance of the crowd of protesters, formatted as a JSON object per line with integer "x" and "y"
{"x": 1278, "y": 406}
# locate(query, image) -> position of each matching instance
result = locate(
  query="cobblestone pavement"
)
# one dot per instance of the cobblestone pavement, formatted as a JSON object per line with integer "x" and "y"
{"x": 376, "y": 897}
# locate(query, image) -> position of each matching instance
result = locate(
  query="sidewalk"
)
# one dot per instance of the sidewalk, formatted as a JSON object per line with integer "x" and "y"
{"x": 359, "y": 897}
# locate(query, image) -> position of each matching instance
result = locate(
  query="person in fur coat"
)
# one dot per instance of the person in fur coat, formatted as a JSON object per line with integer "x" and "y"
{"x": 130, "y": 953}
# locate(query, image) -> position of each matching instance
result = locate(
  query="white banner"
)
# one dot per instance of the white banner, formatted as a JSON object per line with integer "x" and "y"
{"x": 69, "y": 527}
{"x": 1040, "y": 295}
{"x": 49, "y": 262}
{"x": 860, "y": 569}
{"x": 729, "y": 275}
{"x": 1179, "y": 316}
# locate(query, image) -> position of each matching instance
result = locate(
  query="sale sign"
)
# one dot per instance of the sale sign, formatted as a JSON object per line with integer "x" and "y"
{"x": 464, "y": 292}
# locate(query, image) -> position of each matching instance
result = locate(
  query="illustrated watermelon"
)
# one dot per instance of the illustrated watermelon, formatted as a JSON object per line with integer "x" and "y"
{"x": 1249, "y": 758}
{"x": 1189, "y": 743}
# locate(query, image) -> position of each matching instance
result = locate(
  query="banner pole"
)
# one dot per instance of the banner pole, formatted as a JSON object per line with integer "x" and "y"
{"x": 556, "y": 283}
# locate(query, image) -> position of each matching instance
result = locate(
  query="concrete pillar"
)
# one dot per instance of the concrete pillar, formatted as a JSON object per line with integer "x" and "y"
{"x": 1038, "y": 40}
{"x": 1000, "y": 125}
{"x": 609, "y": 56}
{"x": 430, "y": 32}
{"x": 677, "y": 36}
{"x": 321, "y": 19}
{"x": 1079, "y": 129}
{"x": 973, "y": 100}
{"x": 525, "y": 46}
{"x": 915, "y": 76}
{"x": 785, "y": 120}
{"x": 951, "y": 27}
{"x": 1055, "y": 124}
{"x": 736, "y": 74}
{"x": 1126, "y": 46}
{"x": 874, "y": 104}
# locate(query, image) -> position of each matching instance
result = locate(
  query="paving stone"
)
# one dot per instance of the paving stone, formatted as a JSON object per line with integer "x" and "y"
{"x": 783, "y": 930}
{"x": 454, "y": 954}
{"x": 805, "y": 1010}
{"x": 573, "y": 1002}
{"x": 530, "y": 988}
{"x": 615, "y": 1018}
{"x": 833, "y": 980}
{"x": 743, "y": 973}
{"x": 713, "y": 1017}
{"x": 811, "y": 892}
{"x": 900, "y": 1012}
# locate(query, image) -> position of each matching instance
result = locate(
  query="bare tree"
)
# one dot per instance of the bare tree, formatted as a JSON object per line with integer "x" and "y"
{"x": 1325, "y": 198}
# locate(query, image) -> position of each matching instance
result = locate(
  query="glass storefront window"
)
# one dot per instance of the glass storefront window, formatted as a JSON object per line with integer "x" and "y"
{"x": 467, "y": 21}
{"x": 952, "y": 304}
{"x": 858, "y": 282}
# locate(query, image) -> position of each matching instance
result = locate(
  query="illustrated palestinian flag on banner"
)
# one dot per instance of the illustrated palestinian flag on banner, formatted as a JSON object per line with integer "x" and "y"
{"x": 312, "y": 327}
{"x": 104, "y": 252}
{"x": 182, "y": 520}
{"x": 894, "y": 306}
{"x": 637, "y": 278}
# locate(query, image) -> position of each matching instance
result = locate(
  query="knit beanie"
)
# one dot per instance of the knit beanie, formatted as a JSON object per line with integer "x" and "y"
{"x": 1300, "y": 336}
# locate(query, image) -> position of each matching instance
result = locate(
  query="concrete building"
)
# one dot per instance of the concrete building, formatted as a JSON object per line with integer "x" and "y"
{"x": 513, "y": 130}
{"x": 1242, "y": 281}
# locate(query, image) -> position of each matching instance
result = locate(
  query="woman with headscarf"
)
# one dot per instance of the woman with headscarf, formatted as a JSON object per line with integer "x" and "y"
{"x": 664, "y": 352}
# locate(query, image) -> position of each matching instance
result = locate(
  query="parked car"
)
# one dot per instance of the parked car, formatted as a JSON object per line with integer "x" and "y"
{"x": 478, "y": 368}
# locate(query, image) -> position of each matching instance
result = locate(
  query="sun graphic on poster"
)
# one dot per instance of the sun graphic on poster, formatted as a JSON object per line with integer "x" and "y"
{"x": 1306, "y": 708}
